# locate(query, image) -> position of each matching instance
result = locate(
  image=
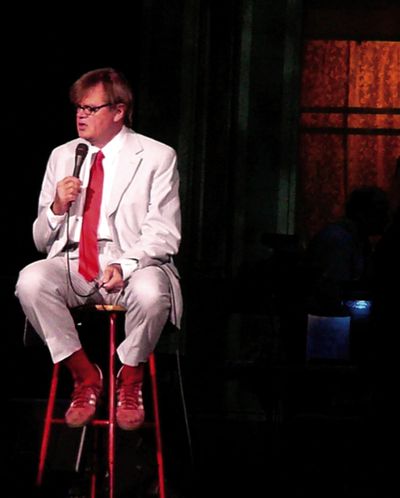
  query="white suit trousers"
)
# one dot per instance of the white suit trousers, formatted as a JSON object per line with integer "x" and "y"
{"x": 47, "y": 290}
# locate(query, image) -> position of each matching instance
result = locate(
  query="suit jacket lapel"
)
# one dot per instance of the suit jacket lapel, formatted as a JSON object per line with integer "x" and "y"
{"x": 126, "y": 167}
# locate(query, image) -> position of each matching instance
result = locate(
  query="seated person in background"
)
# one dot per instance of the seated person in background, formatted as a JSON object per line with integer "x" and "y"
{"x": 337, "y": 259}
{"x": 385, "y": 325}
{"x": 385, "y": 287}
{"x": 386, "y": 262}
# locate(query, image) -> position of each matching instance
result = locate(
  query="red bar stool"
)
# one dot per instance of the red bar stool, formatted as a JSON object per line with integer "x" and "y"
{"x": 112, "y": 311}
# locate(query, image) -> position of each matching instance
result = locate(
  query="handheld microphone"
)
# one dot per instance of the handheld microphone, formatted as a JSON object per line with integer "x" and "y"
{"x": 80, "y": 154}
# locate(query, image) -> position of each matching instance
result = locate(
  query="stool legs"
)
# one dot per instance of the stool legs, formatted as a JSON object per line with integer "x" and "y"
{"x": 111, "y": 404}
{"x": 47, "y": 423}
{"x": 110, "y": 421}
{"x": 157, "y": 426}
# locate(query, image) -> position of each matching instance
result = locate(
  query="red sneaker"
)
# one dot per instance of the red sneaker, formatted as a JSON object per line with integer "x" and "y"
{"x": 85, "y": 399}
{"x": 130, "y": 411}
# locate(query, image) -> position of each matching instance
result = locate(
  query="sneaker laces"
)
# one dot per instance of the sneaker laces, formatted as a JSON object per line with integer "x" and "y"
{"x": 85, "y": 394}
{"x": 130, "y": 396}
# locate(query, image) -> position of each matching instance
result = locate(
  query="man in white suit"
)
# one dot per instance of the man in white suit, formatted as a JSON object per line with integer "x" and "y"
{"x": 138, "y": 234}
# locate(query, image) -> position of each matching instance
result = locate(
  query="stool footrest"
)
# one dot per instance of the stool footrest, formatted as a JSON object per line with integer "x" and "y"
{"x": 102, "y": 423}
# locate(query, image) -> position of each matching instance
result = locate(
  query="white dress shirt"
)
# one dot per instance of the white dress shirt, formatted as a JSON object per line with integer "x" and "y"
{"x": 110, "y": 151}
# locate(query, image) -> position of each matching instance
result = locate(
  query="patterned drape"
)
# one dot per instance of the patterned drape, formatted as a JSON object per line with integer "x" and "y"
{"x": 349, "y": 125}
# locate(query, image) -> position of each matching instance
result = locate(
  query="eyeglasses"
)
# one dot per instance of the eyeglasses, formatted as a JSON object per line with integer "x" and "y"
{"x": 88, "y": 110}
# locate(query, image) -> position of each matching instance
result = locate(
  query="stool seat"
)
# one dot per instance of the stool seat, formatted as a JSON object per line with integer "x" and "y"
{"x": 112, "y": 311}
{"x": 105, "y": 307}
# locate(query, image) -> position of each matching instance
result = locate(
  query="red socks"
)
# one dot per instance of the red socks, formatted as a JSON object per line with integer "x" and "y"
{"x": 131, "y": 375}
{"x": 81, "y": 368}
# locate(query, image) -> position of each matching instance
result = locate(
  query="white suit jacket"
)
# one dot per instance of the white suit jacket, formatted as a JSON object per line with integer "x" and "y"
{"x": 143, "y": 212}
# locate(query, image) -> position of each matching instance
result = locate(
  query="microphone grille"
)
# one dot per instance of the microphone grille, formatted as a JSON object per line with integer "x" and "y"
{"x": 81, "y": 150}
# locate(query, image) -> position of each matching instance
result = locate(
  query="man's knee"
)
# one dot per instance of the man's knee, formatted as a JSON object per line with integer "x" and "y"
{"x": 152, "y": 299}
{"x": 31, "y": 281}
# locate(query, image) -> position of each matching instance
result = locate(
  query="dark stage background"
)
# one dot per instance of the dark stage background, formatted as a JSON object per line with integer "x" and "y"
{"x": 220, "y": 82}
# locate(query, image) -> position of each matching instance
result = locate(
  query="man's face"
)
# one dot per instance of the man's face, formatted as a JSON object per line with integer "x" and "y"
{"x": 98, "y": 126}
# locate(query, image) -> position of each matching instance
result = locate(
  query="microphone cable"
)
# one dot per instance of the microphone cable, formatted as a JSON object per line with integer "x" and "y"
{"x": 180, "y": 379}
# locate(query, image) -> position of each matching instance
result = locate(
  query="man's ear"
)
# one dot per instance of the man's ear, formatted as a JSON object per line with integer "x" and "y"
{"x": 120, "y": 112}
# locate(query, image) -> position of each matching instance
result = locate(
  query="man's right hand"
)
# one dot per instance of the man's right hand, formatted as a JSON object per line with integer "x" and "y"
{"x": 67, "y": 191}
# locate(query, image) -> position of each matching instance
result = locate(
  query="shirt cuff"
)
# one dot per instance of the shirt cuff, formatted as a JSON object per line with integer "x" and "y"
{"x": 128, "y": 266}
{"x": 54, "y": 220}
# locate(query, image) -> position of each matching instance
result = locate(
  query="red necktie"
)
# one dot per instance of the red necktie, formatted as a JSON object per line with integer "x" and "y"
{"x": 88, "y": 250}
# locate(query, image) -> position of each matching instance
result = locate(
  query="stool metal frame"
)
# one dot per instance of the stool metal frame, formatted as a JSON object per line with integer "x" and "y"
{"x": 109, "y": 422}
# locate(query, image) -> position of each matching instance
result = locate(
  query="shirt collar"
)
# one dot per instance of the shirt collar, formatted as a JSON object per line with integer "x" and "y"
{"x": 113, "y": 146}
